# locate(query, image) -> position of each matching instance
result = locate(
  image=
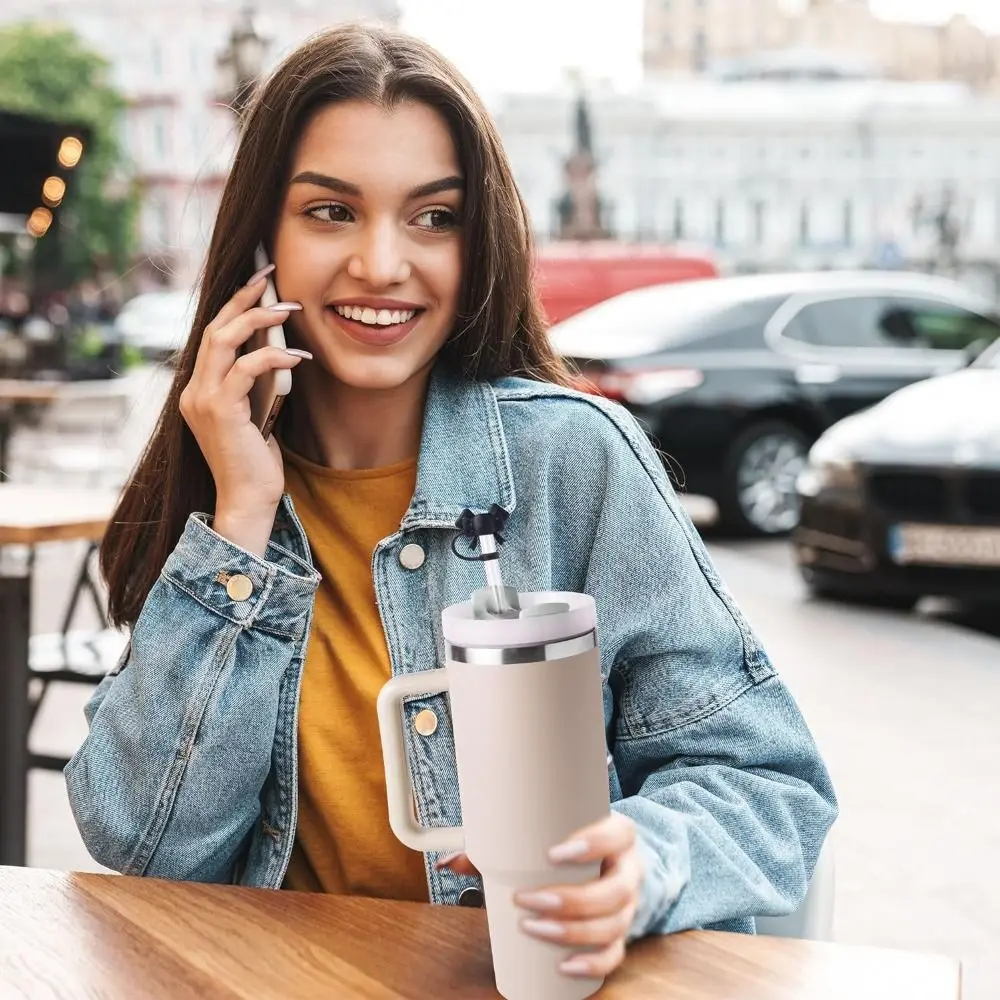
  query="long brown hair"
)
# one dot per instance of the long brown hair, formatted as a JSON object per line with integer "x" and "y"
{"x": 499, "y": 330}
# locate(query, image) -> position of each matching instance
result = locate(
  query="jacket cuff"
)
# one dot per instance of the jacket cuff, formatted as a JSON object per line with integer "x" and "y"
{"x": 659, "y": 891}
{"x": 276, "y": 594}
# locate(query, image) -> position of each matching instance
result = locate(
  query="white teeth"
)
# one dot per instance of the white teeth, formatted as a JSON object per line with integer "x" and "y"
{"x": 381, "y": 317}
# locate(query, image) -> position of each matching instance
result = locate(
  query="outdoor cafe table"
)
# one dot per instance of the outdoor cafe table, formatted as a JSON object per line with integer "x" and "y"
{"x": 13, "y": 393}
{"x": 30, "y": 515}
{"x": 70, "y": 936}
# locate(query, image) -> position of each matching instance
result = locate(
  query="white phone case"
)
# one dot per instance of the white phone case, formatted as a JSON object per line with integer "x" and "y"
{"x": 270, "y": 389}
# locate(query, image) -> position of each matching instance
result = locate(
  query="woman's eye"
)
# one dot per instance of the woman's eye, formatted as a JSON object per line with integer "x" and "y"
{"x": 437, "y": 219}
{"x": 330, "y": 213}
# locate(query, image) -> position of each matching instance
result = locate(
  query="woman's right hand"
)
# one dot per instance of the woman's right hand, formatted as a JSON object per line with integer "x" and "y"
{"x": 248, "y": 471}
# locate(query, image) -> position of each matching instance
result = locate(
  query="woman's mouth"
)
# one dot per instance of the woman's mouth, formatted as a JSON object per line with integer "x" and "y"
{"x": 375, "y": 327}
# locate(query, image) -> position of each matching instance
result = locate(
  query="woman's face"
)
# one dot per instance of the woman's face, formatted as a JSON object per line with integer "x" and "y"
{"x": 369, "y": 241}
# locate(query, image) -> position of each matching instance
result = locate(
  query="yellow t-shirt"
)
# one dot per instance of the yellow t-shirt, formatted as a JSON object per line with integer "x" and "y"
{"x": 343, "y": 843}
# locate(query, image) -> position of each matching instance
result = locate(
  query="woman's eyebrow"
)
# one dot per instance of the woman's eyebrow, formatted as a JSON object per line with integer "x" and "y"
{"x": 453, "y": 183}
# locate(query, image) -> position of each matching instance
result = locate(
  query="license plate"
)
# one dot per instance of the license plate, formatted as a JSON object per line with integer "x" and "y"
{"x": 940, "y": 545}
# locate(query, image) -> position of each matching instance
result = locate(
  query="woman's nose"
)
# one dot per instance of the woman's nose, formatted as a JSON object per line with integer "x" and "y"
{"x": 380, "y": 257}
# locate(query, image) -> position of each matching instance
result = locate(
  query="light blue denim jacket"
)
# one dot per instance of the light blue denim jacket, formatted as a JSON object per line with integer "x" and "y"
{"x": 189, "y": 769}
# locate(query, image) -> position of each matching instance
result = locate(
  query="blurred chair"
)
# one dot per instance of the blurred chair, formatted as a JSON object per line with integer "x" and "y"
{"x": 78, "y": 439}
{"x": 89, "y": 437}
{"x": 814, "y": 918}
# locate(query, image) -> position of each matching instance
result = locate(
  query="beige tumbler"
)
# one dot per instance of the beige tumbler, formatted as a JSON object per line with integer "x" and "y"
{"x": 528, "y": 718}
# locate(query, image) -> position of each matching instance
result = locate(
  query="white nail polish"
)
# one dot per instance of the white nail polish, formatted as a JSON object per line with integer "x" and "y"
{"x": 544, "y": 928}
{"x": 575, "y": 967}
{"x": 569, "y": 851}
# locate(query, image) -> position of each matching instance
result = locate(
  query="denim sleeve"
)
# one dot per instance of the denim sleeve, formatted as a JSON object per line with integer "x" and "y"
{"x": 168, "y": 780}
{"x": 710, "y": 755}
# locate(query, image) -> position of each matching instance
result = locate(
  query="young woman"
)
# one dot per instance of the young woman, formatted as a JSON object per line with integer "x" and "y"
{"x": 271, "y": 588}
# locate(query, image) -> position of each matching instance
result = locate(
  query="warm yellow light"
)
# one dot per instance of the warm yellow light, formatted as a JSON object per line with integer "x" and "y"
{"x": 70, "y": 151}
{"x": 53, "y": 190}
{"x": 39, "y": 222}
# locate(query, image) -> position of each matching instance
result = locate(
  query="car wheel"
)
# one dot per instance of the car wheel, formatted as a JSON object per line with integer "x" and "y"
{"x": 823, "y": 590}
{"x": 759, "y": 495}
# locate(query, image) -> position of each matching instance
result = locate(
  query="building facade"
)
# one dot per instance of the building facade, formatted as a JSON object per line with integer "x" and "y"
{"x": 690, "y": 36}
{"x": 178, "y": 136}
{"x": 818, "y": 171}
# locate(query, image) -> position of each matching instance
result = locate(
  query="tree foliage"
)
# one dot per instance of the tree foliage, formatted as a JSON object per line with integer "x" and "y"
{"x": 50, "y": 72}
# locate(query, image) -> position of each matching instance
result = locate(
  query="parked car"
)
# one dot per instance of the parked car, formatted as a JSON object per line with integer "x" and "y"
{"x": 903, "y": 501}
{"x": 157, "y": 323}
{"x": 735, "y": 378}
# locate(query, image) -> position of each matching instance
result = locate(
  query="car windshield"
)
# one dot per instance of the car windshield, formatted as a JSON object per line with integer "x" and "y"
{"x": 647, "y": 320}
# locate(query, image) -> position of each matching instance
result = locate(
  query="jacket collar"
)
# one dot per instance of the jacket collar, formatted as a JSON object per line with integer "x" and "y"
{"x": 464, "y": 461}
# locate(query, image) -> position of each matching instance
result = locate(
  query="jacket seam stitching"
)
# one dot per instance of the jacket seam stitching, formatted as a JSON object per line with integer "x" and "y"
{"x": 695, "y": 716}
{"x": 240, "y": 623}
{"x": 167, "y": 796}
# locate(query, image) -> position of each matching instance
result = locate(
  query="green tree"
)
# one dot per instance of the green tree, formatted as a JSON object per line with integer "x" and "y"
{"x": 48, "y": 71}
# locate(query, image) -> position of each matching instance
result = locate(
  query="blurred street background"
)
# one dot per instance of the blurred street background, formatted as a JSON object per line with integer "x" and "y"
{"x": 769, "y": 228}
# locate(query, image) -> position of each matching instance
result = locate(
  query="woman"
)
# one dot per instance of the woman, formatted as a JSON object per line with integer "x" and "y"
{"x": 271, "y": 588}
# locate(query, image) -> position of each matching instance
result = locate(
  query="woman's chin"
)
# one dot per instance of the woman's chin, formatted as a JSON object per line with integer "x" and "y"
{"x": 382, "y": 373}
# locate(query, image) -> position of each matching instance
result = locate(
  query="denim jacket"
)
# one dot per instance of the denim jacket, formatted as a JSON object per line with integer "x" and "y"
{"x": 189, "y": 768}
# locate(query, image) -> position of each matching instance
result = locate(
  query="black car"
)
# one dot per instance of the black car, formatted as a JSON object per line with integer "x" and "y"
{"x": 903, "y": 501}
{"x": 735, "y": 378}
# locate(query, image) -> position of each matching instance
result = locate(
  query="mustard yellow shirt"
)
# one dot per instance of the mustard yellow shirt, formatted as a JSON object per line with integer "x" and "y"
{"x": 343, "y": 843}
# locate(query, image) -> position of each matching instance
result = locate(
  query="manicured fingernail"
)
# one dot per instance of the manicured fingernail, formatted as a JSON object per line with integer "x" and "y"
{"x": 575, "y": 967}
{"x": 569, "y": 851}
{"x": 262, "y": 273}
{"x": 544, "y": 928}
{"x": 285, "y": 307}
{"x": 538, "y": 900}
{"x": 296, "y": 352}
{"x": 447, "y": 859}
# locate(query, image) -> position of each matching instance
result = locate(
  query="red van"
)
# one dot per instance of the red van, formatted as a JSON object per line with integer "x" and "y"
{"x": 572, "y": 276}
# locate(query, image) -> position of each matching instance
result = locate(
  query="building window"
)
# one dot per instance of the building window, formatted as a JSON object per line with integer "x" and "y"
{"x": 678, "y": 218}
{"x": 849, "y": 223}
{"x": 804, "y": 236}
{"x": 159, "y": 134}
{"x": 162, "y": 225}
{"x": 720, "y": 222}
{"x": 759, "y": 222}
{"x": 699, "y": 55}
{"x": 156, "y": 60}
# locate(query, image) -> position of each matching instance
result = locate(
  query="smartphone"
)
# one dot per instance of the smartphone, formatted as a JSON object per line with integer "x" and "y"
{"x": 270, "y": 389}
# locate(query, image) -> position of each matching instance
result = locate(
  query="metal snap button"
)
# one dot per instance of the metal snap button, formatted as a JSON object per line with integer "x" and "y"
{"x": 470, "y": 896}
{"x": 239, "y": 587}
{"x": 412, "y": 556}
{"x": 425, "y": 722}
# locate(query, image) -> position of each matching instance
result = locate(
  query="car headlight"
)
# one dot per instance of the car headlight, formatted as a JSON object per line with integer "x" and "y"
{"x": 830, "y": 470}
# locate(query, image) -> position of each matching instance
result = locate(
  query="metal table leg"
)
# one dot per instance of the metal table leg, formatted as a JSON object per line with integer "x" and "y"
{"x": 6, "y": 430}
{"x": 15, "y": 629}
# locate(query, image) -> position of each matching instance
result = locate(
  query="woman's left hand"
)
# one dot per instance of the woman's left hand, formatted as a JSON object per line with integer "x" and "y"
{"x": 596, "y": 915}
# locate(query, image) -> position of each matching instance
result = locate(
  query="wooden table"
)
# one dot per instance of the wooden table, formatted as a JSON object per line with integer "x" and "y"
{"x": 15, "y": 392}
{"x": 30, "y": 515}
{"x": 70, "y": 936}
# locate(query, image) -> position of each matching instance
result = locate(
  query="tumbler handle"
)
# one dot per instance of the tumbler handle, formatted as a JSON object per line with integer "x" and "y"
{"x": 402, "y": 820}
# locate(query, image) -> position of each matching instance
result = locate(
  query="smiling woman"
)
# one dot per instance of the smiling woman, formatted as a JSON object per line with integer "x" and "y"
{"x": 272, "y": 586}
{"x": 375, "y": 260}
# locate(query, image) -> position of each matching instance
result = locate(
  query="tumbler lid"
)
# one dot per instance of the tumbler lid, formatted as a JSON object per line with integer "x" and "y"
{"x": 546, "y": 616}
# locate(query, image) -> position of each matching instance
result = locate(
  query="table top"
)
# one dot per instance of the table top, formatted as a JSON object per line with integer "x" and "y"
{"x": 69, "y": 936}
{"x": 25, "y": 390}
{"x": 32, "y": 514}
